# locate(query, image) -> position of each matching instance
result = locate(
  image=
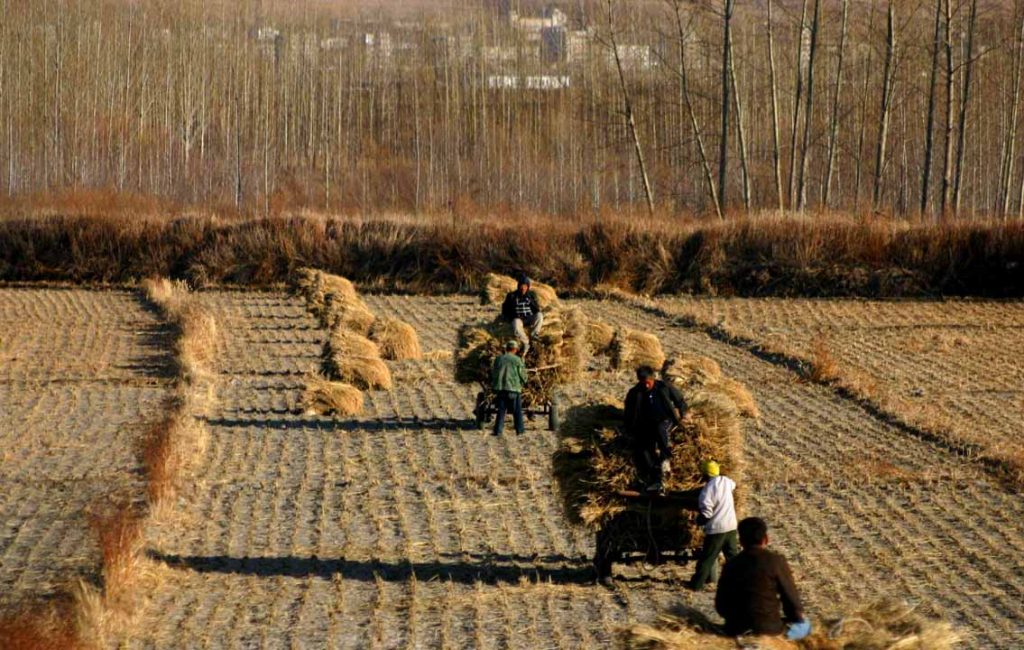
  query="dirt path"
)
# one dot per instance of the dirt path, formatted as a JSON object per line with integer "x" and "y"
{"x": 408, "y": 528}
{"x": 81, "y": 373}
{"x": 863, "y": 509}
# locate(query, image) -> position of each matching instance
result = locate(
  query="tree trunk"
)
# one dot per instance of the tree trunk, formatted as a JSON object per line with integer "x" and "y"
{"x": 628, "y": 107}
{"x": 1010, "y": 141}
{"x": 887, "y": 87}
{"x": 947, "y": 163}
{"x": 776, "y": 154}
{"x": 796, "y": 102}
{"x": 833, "y": 136}
{"x": 929, "y": 137}
{"x": 809, "y": 111}
{"x": 723, "y": 151}
{"x": 965, "y": 98}
{"x": 740, "y": 131}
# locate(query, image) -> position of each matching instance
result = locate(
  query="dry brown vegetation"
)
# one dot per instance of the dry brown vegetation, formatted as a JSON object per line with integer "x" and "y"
{"x": 883, "y": 625}
{"x": 772, "y": 255}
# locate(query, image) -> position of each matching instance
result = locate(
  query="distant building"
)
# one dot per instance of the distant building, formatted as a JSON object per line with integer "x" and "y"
{"x": 634, "y": 57}
{"x": 533, "y": 26}
{"x": 561, "y": 45}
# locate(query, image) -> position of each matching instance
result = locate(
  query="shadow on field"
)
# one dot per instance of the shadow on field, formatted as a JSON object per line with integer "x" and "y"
{"x": 350, "y": 426}
{"x": 489, "y": 569}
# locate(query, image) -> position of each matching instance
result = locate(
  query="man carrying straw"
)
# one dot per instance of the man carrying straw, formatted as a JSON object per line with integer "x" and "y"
{"x": 649, "y": 419}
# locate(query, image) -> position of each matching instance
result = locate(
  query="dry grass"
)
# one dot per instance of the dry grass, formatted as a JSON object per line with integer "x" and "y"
{"x": 396, "y": 339}
{"x": 50, "y": 627}
{"x": 196, "y": 330}
{"x": 599, "y": 337}
{"x": 631, "y": 349}
{"x": 826, "y": 256}
{"x": 883, "y": 625}
{"x": 323, "y": 397}
{"x": 823, "y": 367}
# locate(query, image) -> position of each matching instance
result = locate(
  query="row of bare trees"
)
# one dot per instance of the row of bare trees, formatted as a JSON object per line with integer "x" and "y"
{"x": 897, "y": 107}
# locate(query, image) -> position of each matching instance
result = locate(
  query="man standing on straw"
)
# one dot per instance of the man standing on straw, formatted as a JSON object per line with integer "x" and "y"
{"x": 650, "y": 417}
{"x": 522, "y": 309}
{"x": 508, "y": 375}
{"x": 718, "y": 515}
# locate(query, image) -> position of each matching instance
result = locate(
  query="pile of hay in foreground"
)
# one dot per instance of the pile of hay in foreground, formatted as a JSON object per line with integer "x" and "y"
{"x": 884, "y": 625}
{"x": 556, "y": 357}
{"x": 495, "y": 287}
{"x": 595, "y": 460}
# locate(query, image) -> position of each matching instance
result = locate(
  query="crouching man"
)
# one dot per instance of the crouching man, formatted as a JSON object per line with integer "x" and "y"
{"x": 522, "y": 309}
{"x": 756, "y": 593}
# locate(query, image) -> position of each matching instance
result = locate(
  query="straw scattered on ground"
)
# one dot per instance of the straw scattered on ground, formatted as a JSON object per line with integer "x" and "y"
{"x": 884, "y": 625}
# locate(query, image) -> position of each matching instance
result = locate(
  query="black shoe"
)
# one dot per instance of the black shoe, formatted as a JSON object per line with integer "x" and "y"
{"x": 607, "y": 582}
{"x": 656, "y": 488}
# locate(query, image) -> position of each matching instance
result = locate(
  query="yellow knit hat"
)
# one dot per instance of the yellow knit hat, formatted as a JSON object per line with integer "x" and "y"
{"x": 710, "y": 468}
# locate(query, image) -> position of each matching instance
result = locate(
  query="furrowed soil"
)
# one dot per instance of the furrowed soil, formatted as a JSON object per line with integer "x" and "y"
{"x": 82, "y": 373}
{"x": 406, "y": 527}
{"x": 954, "y": 363}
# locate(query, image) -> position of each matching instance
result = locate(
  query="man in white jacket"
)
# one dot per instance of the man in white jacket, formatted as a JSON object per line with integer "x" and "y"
{"x": 718, "y": 515}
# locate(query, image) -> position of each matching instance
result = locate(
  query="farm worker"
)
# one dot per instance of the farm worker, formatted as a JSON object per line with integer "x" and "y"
{"x": 522, "y": 309}
{"x": 756, "y": 594}
{"x": 650, "y": 417}
{"x": 718, "y": 516}
{"x": 507, "y": 379}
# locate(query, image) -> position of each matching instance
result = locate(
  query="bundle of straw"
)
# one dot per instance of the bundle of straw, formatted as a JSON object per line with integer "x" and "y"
{"x": 495, "y": 287}
{"x": 599, "y": 337}
{"x": 396, "y": 339}
{"x": 632, "y": 349}
{"x": 323, "y": 397}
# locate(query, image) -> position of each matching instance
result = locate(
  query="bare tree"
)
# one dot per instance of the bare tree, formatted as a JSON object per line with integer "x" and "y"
{"x": 929, "y": 140}
{"x": 798, "y": 95}
{"x": 965, "y": 100}
{"x": 723, "y": 151}
{"x": 809, "y": 110}
{"x": 888, "y": 82}
{"x": 833, "y": 134}
{"x": 776, "y": 154}
{"x": 1010, "y": 139}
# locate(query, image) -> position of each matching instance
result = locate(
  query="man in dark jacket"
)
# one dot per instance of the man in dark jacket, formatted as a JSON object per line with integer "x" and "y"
{"x": 756, "y": 593}
{"x": 651, "y": 413}
{"x": 522, "y": 309}
{"x": 508, "y": 376}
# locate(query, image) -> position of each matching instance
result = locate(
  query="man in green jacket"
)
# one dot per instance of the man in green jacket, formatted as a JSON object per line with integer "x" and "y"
{"x": 507, "y": 378}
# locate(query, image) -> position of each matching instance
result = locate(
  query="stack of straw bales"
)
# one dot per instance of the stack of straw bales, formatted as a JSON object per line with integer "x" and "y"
{"x": 595, "y": 460}
{"x": 885, "y": 625}
{"x": 356, "y": 346}
{"x": 495, "y": 287}
{"x": 335, "y": 301}
{"x": 558, "y": 356}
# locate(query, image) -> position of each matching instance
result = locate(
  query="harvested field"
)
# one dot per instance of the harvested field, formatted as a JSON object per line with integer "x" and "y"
{"x": 83, "y": 374}
{"x": 955, "y": 364}
{"x": 405, "y": 527}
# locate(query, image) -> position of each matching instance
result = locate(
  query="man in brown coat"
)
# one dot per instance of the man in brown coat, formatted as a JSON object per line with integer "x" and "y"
{"x": 756, "y": 593}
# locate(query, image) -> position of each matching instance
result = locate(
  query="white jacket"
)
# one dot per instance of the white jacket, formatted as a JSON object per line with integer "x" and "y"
{"x": 715, "y": 503}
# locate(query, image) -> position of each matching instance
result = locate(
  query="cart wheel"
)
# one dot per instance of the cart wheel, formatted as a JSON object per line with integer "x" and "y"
{"x": 480, "y": 411}
{"x": 554, "y": 416}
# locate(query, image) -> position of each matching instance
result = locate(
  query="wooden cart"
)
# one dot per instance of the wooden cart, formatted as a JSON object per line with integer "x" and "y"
{"x": 653, "y": 528}
{"x": 546, "y": 405}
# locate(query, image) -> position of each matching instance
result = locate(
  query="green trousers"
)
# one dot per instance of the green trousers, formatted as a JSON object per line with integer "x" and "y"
{"x": 727, "y": 543}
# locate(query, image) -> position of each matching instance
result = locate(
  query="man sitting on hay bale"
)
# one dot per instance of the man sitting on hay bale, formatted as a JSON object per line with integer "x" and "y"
{"x": 522, "y": 309}
{"x": 649, "y": 420}
{"x": 757, "y": 594}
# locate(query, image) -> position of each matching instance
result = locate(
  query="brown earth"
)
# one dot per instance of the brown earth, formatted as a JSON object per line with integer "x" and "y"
{"x": 406, "y": 527}
{"x": 82, "y": 373}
